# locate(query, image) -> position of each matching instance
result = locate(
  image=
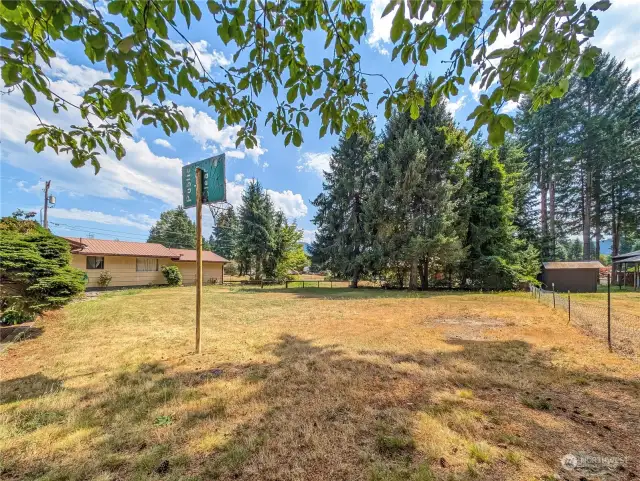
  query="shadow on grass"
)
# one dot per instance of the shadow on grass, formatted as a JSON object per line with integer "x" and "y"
{"x": 9, "y": 334}
{"x": 319, "y": 413}
{"x": 345, "y": 293}
{"x": 28, "y": 387}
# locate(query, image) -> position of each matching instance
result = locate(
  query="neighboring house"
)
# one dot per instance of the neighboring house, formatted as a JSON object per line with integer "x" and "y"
{"x": 138, "y": 263}
{"x": 581, "y": 276}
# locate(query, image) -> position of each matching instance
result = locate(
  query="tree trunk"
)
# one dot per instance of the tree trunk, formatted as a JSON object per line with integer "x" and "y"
{"x": 258, "y": 269}
{"x": 424, "y": 275}
{"x": 597, "y": 214}
{"x": 355, "y": 278}
{"x": 586, "y": 219}
{"x": 413, "y": 275}
{"x": 615, "y": 236}
{"x": 544, "y": 222}
{"x": 552, "y": 216}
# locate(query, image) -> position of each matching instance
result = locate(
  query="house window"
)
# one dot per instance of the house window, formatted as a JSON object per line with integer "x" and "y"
{"x": 145, "y": 264}
{"x": 94, "y": 262}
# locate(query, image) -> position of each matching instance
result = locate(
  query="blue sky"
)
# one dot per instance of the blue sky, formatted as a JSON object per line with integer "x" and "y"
{"x": 127, "y": 196}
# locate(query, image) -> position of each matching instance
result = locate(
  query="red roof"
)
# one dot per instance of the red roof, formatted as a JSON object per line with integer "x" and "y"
{"x": 189, "y": 255}
{"x": 92, "y": 247}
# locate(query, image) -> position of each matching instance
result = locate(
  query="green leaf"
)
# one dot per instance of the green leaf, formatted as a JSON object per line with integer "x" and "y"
{"x": 507, "y": 122}
{"x": 414, "y": 111}
{"x": 118, "y": 101}
{"x": 116, "y": 7}
{"x": 390, "y": 6}
{"x": 441, "y": 42}
{"x": 496, "y": 133}
{"x": 214, "y": 7}
{"x": 398, "y": 24}
{"x": 10, "y": 74}
{"x": 297, "y": 138}
{"x": 126, "y": 44}
{"x": 601, "y": 5}
{"x": 73, "y": 33}
{"x": 292, "y": 94}
{"x": 28, "y": 93}
{"x": 10, "y": 4}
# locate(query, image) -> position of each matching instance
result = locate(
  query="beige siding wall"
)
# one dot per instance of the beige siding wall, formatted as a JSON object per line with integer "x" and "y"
{"x": 123, "y": 271}
{"x": 210, "y": 270}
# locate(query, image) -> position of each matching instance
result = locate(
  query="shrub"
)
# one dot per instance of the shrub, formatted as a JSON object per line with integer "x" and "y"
{"x": 105, "y": 279}
{"x": 35, "y": 274}
{"x": 172, "y": 275}
{"x": 231, "y": 269}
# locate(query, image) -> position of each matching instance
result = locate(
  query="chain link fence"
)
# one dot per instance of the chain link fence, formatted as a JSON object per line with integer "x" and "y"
{"x": 598, "y": 316}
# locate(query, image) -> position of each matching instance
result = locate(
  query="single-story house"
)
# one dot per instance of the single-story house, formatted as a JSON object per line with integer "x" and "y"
{"x": 577, "y": 276}
{"x": 138, "y": 263}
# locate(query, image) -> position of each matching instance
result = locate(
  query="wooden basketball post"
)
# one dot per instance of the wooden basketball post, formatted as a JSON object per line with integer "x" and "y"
{"x": 198, "y": 256}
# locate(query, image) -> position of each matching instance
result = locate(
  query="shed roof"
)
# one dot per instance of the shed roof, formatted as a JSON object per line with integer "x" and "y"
{"x": 573, "y": 265}
{"x": 102, "y": 247}
{"x": 625, "y": 257}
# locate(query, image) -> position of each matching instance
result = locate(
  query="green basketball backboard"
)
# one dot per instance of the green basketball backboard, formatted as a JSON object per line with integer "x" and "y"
{"x": 214, "y": 187}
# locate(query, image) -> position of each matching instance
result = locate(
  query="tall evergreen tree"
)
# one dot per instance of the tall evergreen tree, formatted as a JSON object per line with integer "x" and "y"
{"x": 256, "y": 232}
{"x": 491, "y": 251}
{"x": 585, "y": 152}
{"x": 341, "y": 238}
{"x": 223, "y": 238}
{"x": 174, "y": 229}
{"x": 415, "y": 219}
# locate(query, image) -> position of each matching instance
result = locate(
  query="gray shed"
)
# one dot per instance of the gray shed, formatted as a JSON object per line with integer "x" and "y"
{"x": 579, "y": 276}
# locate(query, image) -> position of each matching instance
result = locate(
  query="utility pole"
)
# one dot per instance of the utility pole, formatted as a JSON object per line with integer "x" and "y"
{"x": 198, "y": 255}
{"x": 47, "y": 184}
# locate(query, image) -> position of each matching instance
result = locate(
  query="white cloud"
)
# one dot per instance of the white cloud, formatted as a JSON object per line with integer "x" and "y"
{"x": 204, "y": 130}
{"x": 309, "y": 236}
{"x": 236, "y": 154}
{"x": 475, "y": 91}
{"x": 292, "y": 205}
{"x": 138, "y": 221}
{"x": 79, "y": 75}
{"x": 35, "y": 188}
{"x": 381, "y": 26}
{"x": 317, "y": 162}
{"x": 453, "y": 107}
{"x": 164, "y": 143}
{"x": 209, "y": 58}
{"x": 622, "y": 40}
{"x": 509, "y": 107}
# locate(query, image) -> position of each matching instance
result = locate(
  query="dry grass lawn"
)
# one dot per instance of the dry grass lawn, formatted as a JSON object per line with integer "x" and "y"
{"x": 313, "y": 385}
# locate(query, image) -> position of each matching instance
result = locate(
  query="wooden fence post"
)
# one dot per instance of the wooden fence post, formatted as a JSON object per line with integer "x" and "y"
{"x": 553, "y": 289}
{"x": 569, "y": 293}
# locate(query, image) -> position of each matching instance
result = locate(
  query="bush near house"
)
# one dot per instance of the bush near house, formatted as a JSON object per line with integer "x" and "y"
{"x": 172, "y": 275}
{"x": 35, "y": 271}
{"x": 105, "y": 279}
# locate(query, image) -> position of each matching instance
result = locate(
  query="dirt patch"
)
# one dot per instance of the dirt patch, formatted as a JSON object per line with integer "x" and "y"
{"x": 469, "y": 321}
